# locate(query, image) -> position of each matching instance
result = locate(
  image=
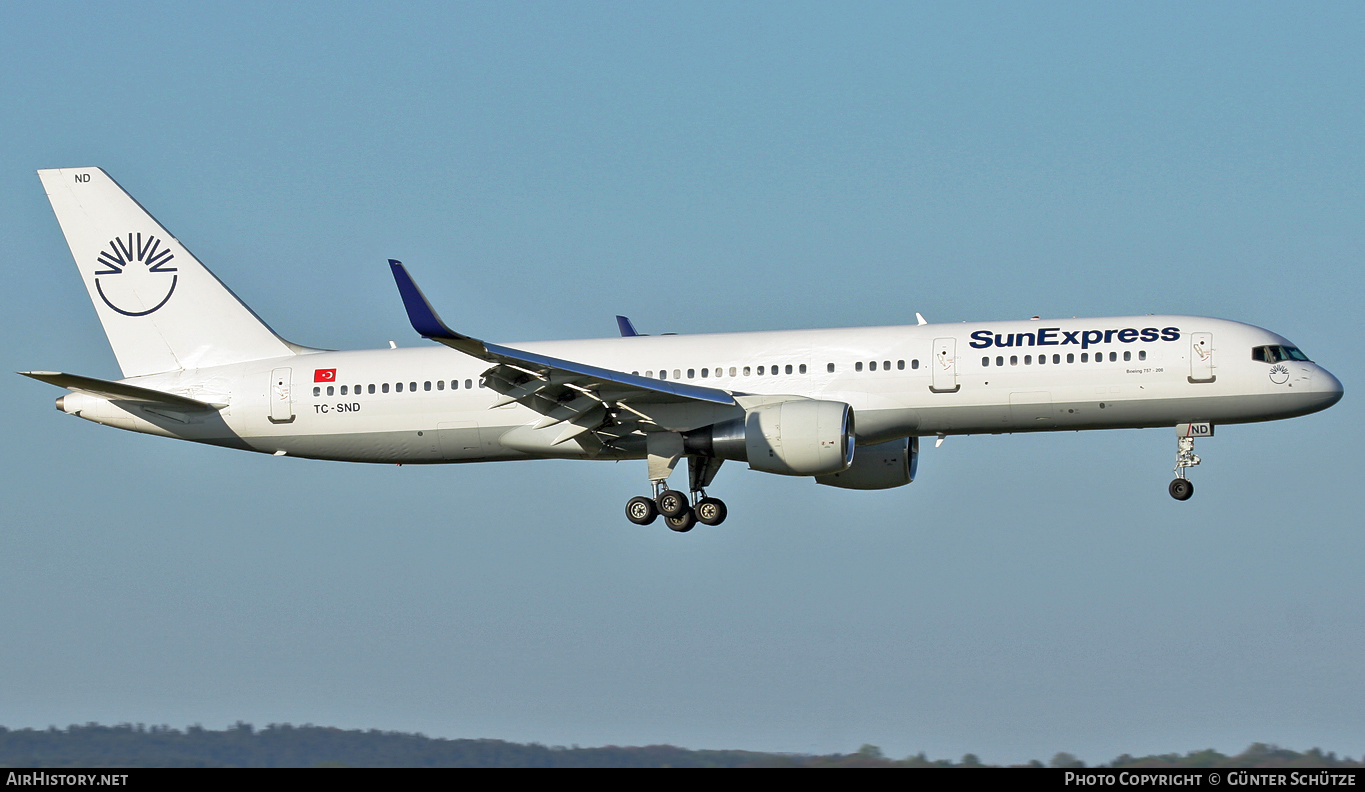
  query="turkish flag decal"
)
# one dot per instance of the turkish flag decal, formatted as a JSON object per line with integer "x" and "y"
{"x": 324, "y": 375}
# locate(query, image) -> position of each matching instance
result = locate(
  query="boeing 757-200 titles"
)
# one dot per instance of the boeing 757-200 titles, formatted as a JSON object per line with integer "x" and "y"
{"x": 846, "y": 407}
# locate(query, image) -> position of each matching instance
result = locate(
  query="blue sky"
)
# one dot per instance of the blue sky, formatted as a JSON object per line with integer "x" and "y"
{"x": 701, "y": 167}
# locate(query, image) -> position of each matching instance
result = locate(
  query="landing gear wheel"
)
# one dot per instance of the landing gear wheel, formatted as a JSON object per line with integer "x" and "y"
{"x": 711, "y": 511}
{"x": 684, "y": 521}
{"x": 641, "y": 511}
{"x": 671, "y": 503}
{"x": 1181, "y": 489}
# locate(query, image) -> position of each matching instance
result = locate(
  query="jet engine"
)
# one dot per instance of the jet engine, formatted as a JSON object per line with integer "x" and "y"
{"x": 880, "y": 466}
{"x": 798, "y": 437}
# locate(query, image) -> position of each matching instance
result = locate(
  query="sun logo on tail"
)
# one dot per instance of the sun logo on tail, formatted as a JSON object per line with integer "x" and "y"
{"x": 132, "y": 274}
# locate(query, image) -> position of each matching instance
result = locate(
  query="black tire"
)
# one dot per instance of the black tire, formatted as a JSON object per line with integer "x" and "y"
{"x": 1181, "y": 489}
{"x": 711, "y": 511}
{"x": 641, "y": 511}
{"x": 683, "y": 522}
{"x": 671, "y": 503}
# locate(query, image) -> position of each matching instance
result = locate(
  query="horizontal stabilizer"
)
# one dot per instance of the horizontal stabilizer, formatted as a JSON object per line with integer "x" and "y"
{"x": 118, "y": 390}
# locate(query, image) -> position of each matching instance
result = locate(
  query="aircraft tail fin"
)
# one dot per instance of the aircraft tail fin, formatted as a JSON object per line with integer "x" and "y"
{"x": 160, "y": 307}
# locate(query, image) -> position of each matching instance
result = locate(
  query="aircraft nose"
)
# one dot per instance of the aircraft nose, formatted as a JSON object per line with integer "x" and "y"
{"x": 1325, "y": 383}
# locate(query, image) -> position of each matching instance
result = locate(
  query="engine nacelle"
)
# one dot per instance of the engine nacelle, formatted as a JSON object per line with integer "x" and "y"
{"x": 799, "y": 437}
{"x": 880, "y": 466}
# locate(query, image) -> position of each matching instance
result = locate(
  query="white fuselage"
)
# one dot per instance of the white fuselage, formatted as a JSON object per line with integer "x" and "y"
{"x": 919, "y": 380}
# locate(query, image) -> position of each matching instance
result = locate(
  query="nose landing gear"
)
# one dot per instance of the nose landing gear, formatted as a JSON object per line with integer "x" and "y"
{"x": 1182, "y": 488}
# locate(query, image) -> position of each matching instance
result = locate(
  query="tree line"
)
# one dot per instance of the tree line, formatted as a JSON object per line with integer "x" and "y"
{"x": 282, "y": 745}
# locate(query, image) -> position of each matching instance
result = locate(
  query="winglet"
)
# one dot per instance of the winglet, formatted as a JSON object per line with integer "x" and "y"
{"x": 423, "y": 316}
{"x": 627, "y": 329}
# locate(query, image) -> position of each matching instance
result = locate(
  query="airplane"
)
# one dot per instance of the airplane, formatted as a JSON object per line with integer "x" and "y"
{"x": 846, "y": 407}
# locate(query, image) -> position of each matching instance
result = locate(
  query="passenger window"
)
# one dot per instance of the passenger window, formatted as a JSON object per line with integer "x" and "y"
{"x": 1000, "y": 360}
{"x": 469, "y": 384}
{"x": 691, "y": 373}
{"x": 772, "y": 370}
{"x": 412, "y": 386}
{"x": 454, "y": 384}
{"x": 985, "y": 362}
{"x": 858, "y": 366}
{"x": 803, "y": 368}
{"x": 829, "y": 367}
{"x": 872, "y": 366}
{"x": 1014, "y": 360}
{"x": 1127, "y": 355}
{"x": 385, "y": 387}
{"x": 1113, "y": 357}
{"x": 1085, "y": 357}
{"x": 1070, "y": 357}
{"x": 677, "y": 374}
{"x": 886, "y": 365}
{"x": 732, "y": 371}
{"x": 914, "y": 364}
{"x": 370, "y": 388}
{"x": 426, "y": 386}
{"x": 1056, "y": 358}
{"x": 1042, "y": 359}
{"x": 649, "y": 374}
{"x": 900, "y": 365}
{"x": 746, "y": 371}
{"x": 440, "y": 384}
{"x": 704, "y": 373}
{"x": 398, "y": 387}
{"x": 663, "y": 374}
{"x": 1142, "y": 354}
{"x": 789, "y": 368}
{"x": 760, "y": 371}
{"x": 343, "y": 390}
{"x": 317, "y": 391}
{"x": 1028, "y": 360}
{"x": 331, "y": 391}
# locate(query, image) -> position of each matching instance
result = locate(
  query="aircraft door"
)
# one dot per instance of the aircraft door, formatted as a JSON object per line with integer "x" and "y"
{"x": 1201, "y": 357}
{"x": 944, "y": 366}
{"x": 281, "y": 395}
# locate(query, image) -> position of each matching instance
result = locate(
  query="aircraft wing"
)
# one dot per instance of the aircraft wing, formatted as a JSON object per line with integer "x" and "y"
{"x": 587, "y": 398}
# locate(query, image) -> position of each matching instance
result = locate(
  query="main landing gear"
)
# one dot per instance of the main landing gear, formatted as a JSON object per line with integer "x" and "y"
{"x": 680, "y": 512}
{"x": 1182, "y": 488}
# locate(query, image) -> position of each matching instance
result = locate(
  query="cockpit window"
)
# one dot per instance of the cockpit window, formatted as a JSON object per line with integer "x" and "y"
{"x": 1276, "y": 354}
